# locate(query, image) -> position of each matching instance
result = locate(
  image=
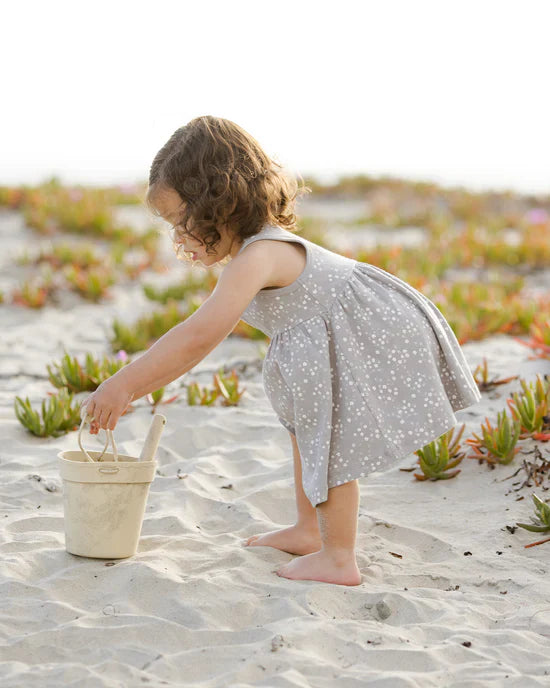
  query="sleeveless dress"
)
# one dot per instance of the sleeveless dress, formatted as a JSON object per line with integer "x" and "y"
{"x": 362, "y": 368}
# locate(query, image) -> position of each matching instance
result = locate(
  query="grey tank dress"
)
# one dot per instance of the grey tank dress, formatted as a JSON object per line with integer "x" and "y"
{"x": 362, "y": 367}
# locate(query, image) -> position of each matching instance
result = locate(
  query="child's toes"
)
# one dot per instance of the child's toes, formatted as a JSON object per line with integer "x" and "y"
{"x": 250, "y": 540}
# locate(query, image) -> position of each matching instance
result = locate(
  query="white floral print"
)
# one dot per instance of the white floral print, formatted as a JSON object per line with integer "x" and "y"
{"x": 362, "y": 367}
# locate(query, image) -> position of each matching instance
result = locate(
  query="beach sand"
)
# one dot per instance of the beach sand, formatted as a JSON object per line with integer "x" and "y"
{"x": 449, "y": 596}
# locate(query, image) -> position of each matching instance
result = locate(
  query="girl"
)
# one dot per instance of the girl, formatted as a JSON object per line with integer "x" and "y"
{"x": 362, "y": 369}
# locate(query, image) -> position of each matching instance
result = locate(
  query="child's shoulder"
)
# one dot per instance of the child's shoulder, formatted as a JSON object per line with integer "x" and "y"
{"x": 283, "y": 260}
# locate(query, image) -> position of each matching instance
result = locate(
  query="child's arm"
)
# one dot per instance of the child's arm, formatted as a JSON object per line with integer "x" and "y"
{"x": 160, "y": 383}
{"x": 189, "y": 366}
{"x": 182, "y": 347}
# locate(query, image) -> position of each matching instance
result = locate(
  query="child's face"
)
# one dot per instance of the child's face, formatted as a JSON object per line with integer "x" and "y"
{"x": 169, "y": 203}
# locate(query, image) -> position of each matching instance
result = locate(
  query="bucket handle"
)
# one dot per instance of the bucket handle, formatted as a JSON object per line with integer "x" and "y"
{"x": 109, "y": 436}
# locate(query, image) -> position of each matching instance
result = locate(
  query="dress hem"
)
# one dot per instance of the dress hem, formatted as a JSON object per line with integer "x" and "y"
{"x": 287, "y": 425}
{"x": 389, "y": 460}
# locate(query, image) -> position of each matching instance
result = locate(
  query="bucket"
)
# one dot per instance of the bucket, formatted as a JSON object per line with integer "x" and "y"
{"x": 104, "y": 498}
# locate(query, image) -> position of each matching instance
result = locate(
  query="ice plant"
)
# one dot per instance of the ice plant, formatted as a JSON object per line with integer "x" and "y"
{"x": 439, "y": 456}
{"x": 134, "y": 269}
{"x": 92, "y": 284}
{"x": 178, "y": 292}
{"x": 71, "y": 374}
{"x": 531, "y": 408}
{"x": 227, "y": 386}
{"x": 200, "y": 396}
{"x": 130, "y": 338}
{"x": 11, "y": 197}
{"x": 499, "y": 443}
{"x": 540, "y": 524}
{"x": 155, "y": 398}
{"x": 32, "y": 294}
{"x": 59, "y": 415}
{"x": 66, "y": 254}
{"x": 140, "y": 335}
{"x": 540, "y": 337}
{"x": 484, "y": 383}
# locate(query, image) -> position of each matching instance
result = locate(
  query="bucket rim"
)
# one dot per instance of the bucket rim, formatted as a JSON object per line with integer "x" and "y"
{"x": 134, "y": 459}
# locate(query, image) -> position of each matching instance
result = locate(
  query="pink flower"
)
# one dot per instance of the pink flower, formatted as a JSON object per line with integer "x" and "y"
{"x": 75, "y": 194}
{"x": 122, "y": 355}
{"x": 537, "y": 216}
{"x": 127, "y": 188}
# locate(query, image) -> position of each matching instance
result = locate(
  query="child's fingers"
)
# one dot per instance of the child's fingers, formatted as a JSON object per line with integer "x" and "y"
{"x": 87, "y": 408}
{"x": 104, "y": 418}
{"x": 113, "y": 420}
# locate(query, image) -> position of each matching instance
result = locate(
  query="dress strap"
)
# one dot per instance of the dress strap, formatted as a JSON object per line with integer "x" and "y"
{"x": 271, "y": 232}
{"x": 266, "y": 229}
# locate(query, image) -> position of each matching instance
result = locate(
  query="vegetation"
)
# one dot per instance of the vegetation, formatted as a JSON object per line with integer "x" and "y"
{"x": 225, "y": 388}
{"x": 540, "y": 524}
{"x": 58, "y": 416}
{"x": 439, "y": 456}
{"x": 74, "y": 377}
{"x": 499, "y": 239}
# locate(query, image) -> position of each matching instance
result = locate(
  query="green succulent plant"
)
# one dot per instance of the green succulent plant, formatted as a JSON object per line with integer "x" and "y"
{"x": 138, "y": 337}
{"x": 198, "y": 395}
{"x": 541, "y": 524}
{"x": 179, "y": 291}
{"x": 531, "y": 407}
{"x": 156, "y": 397}
{"x": 228, "y": 387}
{"x": 500, "y": 442}
{"x": 439, "y": 456}
{"x": 59, "y": 416}
{"x": 71, "y": 374}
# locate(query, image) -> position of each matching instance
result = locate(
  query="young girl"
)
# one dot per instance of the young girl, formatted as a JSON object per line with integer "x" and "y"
{"x": 362, "y": 369}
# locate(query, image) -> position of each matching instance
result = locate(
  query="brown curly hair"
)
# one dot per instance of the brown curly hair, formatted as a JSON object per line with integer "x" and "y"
{"x": 224, "y": 178}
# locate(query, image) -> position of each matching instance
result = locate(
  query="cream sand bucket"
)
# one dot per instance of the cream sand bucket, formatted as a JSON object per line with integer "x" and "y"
{"x": 104, "y": 498}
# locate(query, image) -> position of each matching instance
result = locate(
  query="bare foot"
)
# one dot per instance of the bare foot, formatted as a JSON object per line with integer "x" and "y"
{"x": 294, "y": 539}
{"x": 320, "y": 566}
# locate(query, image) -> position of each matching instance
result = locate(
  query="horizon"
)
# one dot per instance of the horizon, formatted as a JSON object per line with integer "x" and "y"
{"x": 541, "y": 196}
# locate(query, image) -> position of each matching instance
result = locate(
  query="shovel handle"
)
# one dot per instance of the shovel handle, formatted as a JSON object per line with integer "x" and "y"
{"x": 109, "y": 436}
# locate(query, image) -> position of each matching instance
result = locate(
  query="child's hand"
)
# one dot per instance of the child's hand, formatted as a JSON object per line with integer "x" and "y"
{"x": 106, "y": 405}
{"x": 94, "y": 427}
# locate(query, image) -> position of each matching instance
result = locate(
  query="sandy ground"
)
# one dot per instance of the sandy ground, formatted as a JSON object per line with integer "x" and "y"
{"x": 449, "y": 596}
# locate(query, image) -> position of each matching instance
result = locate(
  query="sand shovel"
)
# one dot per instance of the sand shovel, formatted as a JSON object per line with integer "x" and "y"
{"x": 104, "y": 495}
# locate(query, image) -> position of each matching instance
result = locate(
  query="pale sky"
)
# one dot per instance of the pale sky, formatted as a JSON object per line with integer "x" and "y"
{"x": 454, "y": 92}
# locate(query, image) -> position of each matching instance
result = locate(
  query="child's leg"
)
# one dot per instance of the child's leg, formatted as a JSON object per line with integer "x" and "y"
{"x": 306, "y": 513}
{"x": 335, "y": 562}
{"x": 304, "y": 535}
{"x": 338, "y": 521}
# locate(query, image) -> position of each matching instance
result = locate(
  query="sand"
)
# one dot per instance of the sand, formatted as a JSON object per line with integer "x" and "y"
{"x": 449, "y": 596}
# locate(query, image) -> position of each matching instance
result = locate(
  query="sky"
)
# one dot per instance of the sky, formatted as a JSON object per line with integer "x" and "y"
{"x": 454, "y": 92}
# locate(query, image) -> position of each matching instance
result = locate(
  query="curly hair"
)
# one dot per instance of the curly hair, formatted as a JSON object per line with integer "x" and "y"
{"x": 224, "y": 178}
